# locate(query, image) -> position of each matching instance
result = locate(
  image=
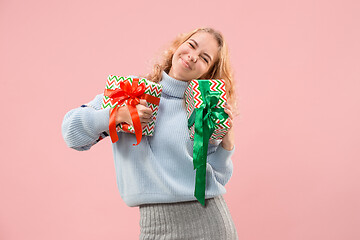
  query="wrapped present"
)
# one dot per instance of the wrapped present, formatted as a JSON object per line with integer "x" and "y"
{"x": 205, "y": 102}
{"x": 194, "y": 100}
{"x": 121, "y": 91}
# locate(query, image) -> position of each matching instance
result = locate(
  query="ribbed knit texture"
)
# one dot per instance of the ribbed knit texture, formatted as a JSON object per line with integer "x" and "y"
{"x": 187, "y": 220}
{"x": 160, "y": 168}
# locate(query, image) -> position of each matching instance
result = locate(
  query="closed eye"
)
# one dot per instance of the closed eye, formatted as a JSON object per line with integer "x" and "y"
{"x": 205, "y": 59}
{"x": 192, "y": 46}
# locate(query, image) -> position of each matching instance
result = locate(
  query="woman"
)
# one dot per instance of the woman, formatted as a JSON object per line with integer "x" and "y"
{"x": 158, "y": 175}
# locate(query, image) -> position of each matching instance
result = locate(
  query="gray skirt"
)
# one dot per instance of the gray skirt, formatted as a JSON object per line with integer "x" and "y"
{"x": 187, "y": 220}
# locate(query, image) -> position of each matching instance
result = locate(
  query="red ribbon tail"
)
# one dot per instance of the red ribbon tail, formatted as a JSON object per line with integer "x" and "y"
{"x": 136, "y": 123}
{"x": 151, "y": 99}
{"x": 112, "y": 125}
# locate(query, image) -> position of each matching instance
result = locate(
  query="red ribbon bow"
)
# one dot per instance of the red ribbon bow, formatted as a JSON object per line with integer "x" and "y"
{"x": 132, "y": 93}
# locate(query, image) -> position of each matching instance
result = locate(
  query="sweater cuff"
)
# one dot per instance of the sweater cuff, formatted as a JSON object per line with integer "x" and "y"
{"x": 101, "y": 120}
{"x": 221, "y": 158}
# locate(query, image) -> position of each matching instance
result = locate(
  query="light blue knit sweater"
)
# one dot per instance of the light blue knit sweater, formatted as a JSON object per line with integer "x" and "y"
{"x": 160, "y": 168}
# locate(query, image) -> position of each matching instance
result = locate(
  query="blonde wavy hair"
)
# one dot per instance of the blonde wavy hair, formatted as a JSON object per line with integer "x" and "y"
{"x": 220, "y": 69}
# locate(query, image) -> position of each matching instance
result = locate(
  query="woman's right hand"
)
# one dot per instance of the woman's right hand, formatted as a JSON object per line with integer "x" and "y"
{"x": 123, "y": 114}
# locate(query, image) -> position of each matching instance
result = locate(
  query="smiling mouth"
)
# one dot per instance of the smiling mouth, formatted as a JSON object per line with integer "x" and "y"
{"x": 185, "y": 64}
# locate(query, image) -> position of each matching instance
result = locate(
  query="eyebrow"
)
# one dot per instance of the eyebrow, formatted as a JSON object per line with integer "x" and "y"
{"x": 197, "y": 45}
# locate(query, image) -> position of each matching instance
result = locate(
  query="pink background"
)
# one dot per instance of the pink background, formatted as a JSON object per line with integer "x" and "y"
{"x": 297, "y": 70}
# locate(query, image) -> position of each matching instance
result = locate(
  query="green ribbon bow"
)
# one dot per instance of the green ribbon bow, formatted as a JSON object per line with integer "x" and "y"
{"x": 205, "y": 118}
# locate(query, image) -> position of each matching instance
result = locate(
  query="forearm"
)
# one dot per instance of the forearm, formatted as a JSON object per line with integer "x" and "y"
{"x": 220, "y": 160}
{"x": 228, "y": 141}
{"x": 82, "y": 127}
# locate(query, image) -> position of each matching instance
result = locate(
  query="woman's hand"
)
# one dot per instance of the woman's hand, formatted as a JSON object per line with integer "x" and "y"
{"x": 145, "y": 114}
{"x": 228, "y": 140}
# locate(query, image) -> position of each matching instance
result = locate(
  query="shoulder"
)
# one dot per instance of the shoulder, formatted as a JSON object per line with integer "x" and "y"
{"x": 96, "y": 102}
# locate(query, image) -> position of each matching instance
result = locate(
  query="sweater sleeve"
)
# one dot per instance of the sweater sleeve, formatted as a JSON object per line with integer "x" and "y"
{"x": 84, "y": 126}
{"x": 220, "y": 161}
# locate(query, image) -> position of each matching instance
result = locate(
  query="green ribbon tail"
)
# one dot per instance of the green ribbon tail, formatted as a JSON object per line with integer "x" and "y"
{"x": 203, "y": 130}
{"x": 200, "y": 184}
{"x": 199, "y": 155}
{"x": 198, "y": 139}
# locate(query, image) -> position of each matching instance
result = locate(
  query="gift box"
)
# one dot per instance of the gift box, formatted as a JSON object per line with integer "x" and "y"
{"x": 121, "y": 91}
{"x": 194, "y": 99}
{"x": 205, "y": 103}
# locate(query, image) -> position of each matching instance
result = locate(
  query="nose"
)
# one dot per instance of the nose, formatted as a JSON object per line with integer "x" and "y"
{"x": 193, "y": 58}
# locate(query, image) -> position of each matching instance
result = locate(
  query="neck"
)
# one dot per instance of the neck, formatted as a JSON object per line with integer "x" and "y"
{"x": 172, "y": 86}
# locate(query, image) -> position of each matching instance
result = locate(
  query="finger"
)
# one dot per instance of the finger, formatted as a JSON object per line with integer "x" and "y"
{"x": 145, "y": 109}
{"x": 227, "y": 105}
{"x": 148, "y": 111}
{"x": 145, "y": 114}
{"x": 212, "y": 141}
{"x": 143, "y": 102}
{"x": 145, "y": 120}
{"x": 228, "y": 113}
{"x": 230, "y": 123}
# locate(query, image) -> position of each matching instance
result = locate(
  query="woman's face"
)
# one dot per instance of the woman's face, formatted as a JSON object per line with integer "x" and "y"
{"x": 194, "y": 57}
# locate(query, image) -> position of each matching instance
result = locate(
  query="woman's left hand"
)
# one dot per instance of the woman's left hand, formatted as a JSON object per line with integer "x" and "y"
{"x": 228, "y": 140}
